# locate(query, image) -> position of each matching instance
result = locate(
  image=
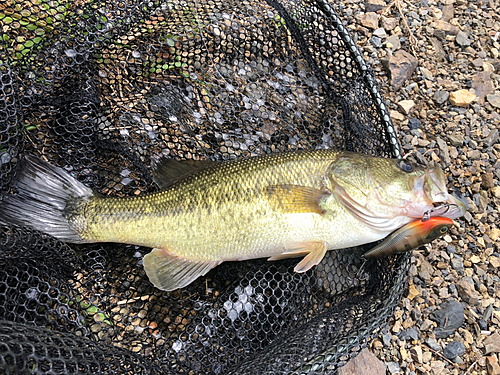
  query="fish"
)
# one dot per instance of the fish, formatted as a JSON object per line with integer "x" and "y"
{"x": 411, "y": 236}
{"x": 275, "y": 206}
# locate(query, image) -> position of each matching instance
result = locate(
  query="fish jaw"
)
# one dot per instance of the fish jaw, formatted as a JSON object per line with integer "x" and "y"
{"x": 432, "y": 197}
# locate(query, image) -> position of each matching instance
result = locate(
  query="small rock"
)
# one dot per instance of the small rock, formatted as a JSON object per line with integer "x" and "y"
{"x": 439, "y": 52}
{"x": 456, "y": 140}
{"x": 393, "y": 367}
{"x": 437, "y": 367}
{"x": 369, "y": 20}
{"x": 427, "y": 74}
{"x": 467, "y": 291}
{"x": 412, "y": 292}
{"x": 374, "y": 5}
{"x": 364, "y": 363}
{"x": 433, "y": 344}
{"x": 380, "y": 32}
{"x": 376, "y": 41}
{"x": 453, "y": 350}
{"x": 426, "y": 325}
{"x": 394, "y": 41}
{"x": 414, "y": 123}
{"x": 395, "y": 115}
{"x": 492, "y": 365}
{"x": 487, "y": 180}
{"x": 482, "y": 85}
{"x": 458, "y": 265}
{"x": 492, "y": 343}
{"x": 491, "y": 139}
{"x": 443, "y": 29}
{"x": 441, "y": 96}
{"x": 443, "y": 151}
{"x": 449, "y": 318}
{"x": 494, "y": 100}
{"x": 416, "y": 354}
{"x": 494, "y": 261}
{"x": 448, "y": 11}
{"x": 406, "y": 106}
{"x": 386, "y": 338}
{"x": 462, "y": 39}
{"x": 389, "y": 24}
{"x": 496, "y": 191}
{"x": 400, "y": 68}
{"x": 462, "y": 98}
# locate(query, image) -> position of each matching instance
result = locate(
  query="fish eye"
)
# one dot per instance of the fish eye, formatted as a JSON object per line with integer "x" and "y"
{"x": 405, "y": 166}
{"x": 443, "y": 230}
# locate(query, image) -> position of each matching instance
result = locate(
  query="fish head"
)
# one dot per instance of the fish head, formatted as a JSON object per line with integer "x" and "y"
{"x": 392, "y": 188}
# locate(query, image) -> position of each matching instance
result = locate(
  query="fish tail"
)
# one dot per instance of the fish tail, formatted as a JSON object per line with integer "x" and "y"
{"x": 45, "y": 193}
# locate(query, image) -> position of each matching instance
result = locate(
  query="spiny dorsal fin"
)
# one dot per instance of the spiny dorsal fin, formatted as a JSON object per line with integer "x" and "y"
{"x": 296, "y": 199}
{"x": 167, "y": 171}
{"x": 169, "y": 272}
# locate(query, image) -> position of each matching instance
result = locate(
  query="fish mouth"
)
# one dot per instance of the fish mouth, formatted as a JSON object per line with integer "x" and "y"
{"x": 431, "y": 187}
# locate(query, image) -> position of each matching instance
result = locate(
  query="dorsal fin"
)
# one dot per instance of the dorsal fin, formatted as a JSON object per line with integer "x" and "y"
{"x": 167, "y": 171}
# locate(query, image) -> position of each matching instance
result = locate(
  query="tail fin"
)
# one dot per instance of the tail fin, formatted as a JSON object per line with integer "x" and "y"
{"x": 44, "y": 192}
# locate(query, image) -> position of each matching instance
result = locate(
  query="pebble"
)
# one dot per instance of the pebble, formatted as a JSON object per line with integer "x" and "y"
{"x": 364, "y": 363}
{"x": 369, "y": 20}
{"x": 467, "y": 291}
{"x": 433, "y": 344}
{"x": 494, "y": 100}
{"x": 374, "y": 5}
{"x": 492, "y": 344}
{"x": 453, "y": 350}
{"x": 462, "y": 98}
{"x": 393, "y": 367}
{"x": 492, "y": 365}
{"x": 414, "y": 123}
{"x": 441, "y": 97}
{"x": 449, "y": 318}
{"x": 400, "y": 67}
{"x": 462, "y": 39}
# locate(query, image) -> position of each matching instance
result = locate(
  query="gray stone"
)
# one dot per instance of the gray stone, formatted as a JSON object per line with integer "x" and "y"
{"x": 462, "y": 39}
{"x": 458, "y": 265}
{"x": 449, "y": 318}
{"x": 389, "y": 23}
{"x": 456, "y": 140}
{"x": 394, "y": 41}
{"x": 380, "y": 32}
{"x": 433, "y": 344}
{"x": 369, "y": 20}
{"x": 376, "y": 42}
{"x": 414, "y": 123}
{"x": 441, "y": 96}
{"x": 393, "y": 367}
{"x": 374, "y": 5}
{"x": 494, "y": 100}
{"x": 386, "y": 338}
{"x": 453, "y": 350}
{"x": 443, "y": 151}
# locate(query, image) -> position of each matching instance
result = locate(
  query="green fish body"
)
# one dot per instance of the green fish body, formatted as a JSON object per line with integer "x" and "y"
{"x": 276, "y": 206}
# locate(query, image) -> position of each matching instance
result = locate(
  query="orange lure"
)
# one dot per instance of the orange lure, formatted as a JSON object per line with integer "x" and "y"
{"x": 411, "y": 236}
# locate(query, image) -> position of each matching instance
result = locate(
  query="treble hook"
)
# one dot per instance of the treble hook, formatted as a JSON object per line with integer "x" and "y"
{"x": 427, "y": 214}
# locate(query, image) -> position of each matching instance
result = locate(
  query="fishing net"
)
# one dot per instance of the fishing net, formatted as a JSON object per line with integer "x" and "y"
{"x": 99, "y": 87}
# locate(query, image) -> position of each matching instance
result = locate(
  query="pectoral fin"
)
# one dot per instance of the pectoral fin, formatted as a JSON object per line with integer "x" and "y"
{"x": 314, "y": 252}
{"x": 169, "y": 272}
{"x": 296, "y": 199}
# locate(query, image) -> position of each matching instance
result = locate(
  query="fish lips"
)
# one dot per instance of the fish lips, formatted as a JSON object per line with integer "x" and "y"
{"x": 432, "y": 187}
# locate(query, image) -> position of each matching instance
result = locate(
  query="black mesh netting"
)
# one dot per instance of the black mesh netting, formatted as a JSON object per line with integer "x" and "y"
{"x": 99, "y": 87}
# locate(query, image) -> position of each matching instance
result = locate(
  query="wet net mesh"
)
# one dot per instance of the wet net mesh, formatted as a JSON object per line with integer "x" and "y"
{"x": 99, "y": 87}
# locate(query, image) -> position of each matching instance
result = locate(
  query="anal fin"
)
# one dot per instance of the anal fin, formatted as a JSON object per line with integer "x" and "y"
{"x": 314, "y": 252}
{"x": 169, "y": 272}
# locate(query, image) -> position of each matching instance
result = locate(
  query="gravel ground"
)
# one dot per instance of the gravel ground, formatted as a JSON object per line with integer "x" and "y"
{"x": 442, "y": 85}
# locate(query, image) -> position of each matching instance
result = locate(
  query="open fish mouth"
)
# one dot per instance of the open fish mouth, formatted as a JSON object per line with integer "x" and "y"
{"x": 433, "y": 185}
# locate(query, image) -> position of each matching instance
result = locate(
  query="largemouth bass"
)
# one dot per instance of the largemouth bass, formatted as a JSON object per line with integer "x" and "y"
{"x": 411, "y": 236}
{"x": 296, "y": 204}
